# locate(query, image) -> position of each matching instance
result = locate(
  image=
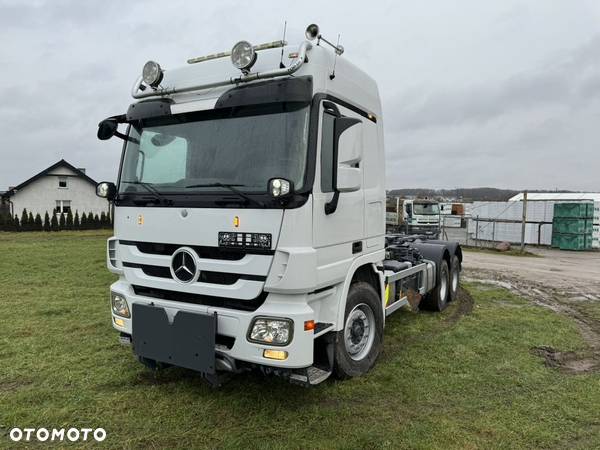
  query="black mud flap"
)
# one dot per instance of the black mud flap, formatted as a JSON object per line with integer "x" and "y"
{"x": 187, "y": 342}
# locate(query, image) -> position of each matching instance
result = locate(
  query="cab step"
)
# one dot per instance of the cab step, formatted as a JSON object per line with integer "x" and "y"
{"x": 310, "y": 376}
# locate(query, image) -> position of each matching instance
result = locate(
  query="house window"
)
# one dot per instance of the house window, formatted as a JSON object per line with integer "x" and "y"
{"x": 62, "y": 182}
{"x": 63, "y": 206}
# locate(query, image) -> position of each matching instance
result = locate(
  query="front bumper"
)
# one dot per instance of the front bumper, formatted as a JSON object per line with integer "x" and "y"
{"x": 235, "y": 324}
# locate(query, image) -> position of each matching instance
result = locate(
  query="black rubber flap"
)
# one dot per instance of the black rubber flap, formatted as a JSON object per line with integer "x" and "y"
{"x": 297, "y": 89}
{"x": 188, "y": 342}
{"x": 147, "y": 109}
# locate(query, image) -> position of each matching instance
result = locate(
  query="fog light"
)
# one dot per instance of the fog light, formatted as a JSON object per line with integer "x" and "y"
{"x": 243, "y": 55}
{"x": 119, "y": 305}
{"x": 119, "y": 322}
{"x": 271, "y": 331}
{"x": 152, "y": 74}
{"x": 275, "y": 354}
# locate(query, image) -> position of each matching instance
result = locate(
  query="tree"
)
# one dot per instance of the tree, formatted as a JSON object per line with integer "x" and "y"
{"x": 76, "y": 223}
{"x": 38, "y": 225}
{"x": 69, "y": 220}
{"x": 62, "y": 223}
{"x": 90, "y": 221}
{"x": 31, "y": 221}
{"x": 46, "y": 222}
{"x": 103, "y": 220}
{"x": 97, "y": 223}
{"x": 24, "y": 220}
{"x": 54, "y": 223}
{"x": 84, "y": 224}
{"x": 16, "y": 224}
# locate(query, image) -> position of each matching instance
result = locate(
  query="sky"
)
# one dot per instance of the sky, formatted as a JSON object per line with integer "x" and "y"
{"x": 499, "y": 94}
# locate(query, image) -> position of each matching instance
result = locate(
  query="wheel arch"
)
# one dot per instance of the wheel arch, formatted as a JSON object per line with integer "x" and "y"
{"x": 362, "y": 269}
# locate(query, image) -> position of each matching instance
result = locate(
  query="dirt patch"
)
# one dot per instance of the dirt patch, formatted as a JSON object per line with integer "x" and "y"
{"x": 465, "y": 304}
{"x": 568, "y": 362}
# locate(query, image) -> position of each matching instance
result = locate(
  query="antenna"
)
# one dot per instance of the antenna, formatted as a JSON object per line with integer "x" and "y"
{"x": 281, "y": 65}
{"x": 332, "y": 76}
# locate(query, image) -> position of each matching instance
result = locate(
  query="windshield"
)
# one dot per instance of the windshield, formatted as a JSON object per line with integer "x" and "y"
{"x": 193, "y": 153}
{"x": 426, "y": 208}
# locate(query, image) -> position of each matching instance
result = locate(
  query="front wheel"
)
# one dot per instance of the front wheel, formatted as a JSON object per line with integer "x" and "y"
{"x": 359, "y": 343}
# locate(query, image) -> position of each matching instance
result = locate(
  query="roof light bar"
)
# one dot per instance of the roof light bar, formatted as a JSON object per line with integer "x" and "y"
{"x": 138, "y": 93}
{"x": 268, "y": 45}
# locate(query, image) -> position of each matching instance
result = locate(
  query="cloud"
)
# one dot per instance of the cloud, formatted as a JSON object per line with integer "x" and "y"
{"x": 504, "y": 95}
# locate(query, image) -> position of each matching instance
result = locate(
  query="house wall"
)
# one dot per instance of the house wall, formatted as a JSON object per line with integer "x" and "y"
{"x": 41, "y": 195}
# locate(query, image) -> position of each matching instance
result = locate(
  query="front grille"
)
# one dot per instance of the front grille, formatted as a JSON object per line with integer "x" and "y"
{"x": 223, "y": 278}
{"x": 229, "y": 254}
{"x": 197, "y": 299}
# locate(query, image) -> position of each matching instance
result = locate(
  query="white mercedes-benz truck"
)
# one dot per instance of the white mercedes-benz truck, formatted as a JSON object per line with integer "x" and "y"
{"x": 249, "y": 217}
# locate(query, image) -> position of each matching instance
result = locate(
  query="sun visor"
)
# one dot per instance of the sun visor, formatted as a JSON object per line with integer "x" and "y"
{"x": 298, "y": 89}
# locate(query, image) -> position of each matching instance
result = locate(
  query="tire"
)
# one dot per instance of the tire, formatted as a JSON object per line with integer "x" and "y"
{"x": 454, "y": 277}
{"x": 437, "y": 299}
{"x": 360, "y": 341}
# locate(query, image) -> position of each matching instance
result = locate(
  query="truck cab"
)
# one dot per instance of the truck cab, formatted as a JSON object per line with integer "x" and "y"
{"x": 249, "y": 209}
{"x": 413, "y": 216}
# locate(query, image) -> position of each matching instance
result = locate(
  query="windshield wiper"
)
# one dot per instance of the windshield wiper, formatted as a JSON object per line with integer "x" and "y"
{"x": 157, "y": 195}
{"x": 232, "y": 188}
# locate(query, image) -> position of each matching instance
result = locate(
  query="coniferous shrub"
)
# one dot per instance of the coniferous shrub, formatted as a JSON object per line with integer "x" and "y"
{"x": 62, "y": 222}
{"x": 90, "y": 221}
{"x": 69, "y": 220}
{"x": 97, "y": 223}
{"x": 83, "y": 223}
{"x": 24, "y": 225}
{"x": 16, "y": 224}
{"x": 103, "y": 220}
{"x": 38, "y": 224}
{"x": 54, "y": 223}
{"x": 31, "y": 221}
{"x": 47, "y": 222}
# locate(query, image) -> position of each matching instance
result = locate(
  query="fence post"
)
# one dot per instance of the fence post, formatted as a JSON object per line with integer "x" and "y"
{"x": 523, "y": 225}
{"x": 476, "y": 231}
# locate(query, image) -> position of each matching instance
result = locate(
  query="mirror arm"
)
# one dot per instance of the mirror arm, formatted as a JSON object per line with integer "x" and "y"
{"x": 127, "y": 138}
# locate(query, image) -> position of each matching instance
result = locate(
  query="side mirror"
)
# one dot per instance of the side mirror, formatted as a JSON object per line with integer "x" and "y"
{"x": 107, "y": 129}
{"x": 348, "y": 133}
{"x": 347, "y": 153}
{"x": 106, "y": 190}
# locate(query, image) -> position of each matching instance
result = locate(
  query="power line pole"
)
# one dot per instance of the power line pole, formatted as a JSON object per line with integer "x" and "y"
{"x": 524, "y": 224}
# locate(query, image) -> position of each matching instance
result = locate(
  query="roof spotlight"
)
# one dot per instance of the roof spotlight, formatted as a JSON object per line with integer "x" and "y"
{"x": 152, "y": 74}
{"x": 312, "y": 32}
{"x": 243, "y": 55}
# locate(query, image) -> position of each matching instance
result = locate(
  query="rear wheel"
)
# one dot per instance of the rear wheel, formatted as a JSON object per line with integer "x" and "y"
{"x": 359, "y": 343}
{"x": 437, "y": 299}
{"x": 454, "y": 277}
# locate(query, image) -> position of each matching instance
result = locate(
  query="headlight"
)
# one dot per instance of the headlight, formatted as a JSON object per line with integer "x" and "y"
{"x": 119, "y": 305}
{"x": 243, "y": 55}
{"x": 280, "y": 187}
{"x": 152, "y": 74}
{"x": 271, "y": 331}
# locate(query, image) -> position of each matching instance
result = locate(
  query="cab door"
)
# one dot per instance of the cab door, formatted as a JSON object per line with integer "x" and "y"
{"x": 339, "y": 222}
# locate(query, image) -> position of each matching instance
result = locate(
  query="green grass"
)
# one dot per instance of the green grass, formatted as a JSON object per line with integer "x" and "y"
{"x": 440, "y": 383}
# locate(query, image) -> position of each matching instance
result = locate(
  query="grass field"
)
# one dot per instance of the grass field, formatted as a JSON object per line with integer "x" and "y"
{"x": 462, "y": 379}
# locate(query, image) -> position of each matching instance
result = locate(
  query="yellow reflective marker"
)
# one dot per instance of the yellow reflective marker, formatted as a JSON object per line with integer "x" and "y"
{"x": 387, "y": 294}
{"x": 140, "y": 220}
{"x": 236, "y": 221}
{"x": 275, "y": 354}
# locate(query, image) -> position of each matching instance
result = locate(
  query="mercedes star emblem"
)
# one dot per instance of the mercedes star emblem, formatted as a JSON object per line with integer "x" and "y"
{"x": 183, "y": 265}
